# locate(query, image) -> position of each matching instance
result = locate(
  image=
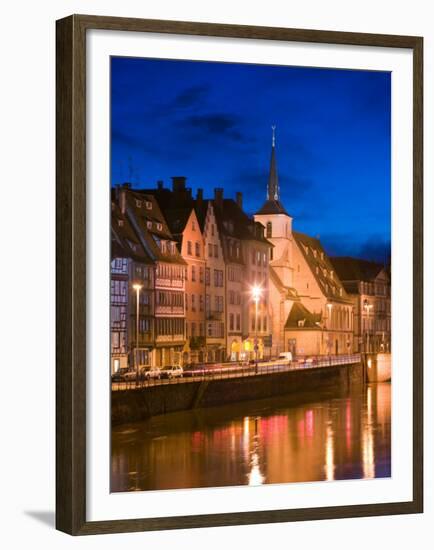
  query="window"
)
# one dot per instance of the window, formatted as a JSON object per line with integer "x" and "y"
{"x": 216, "y": 251}
{"x": 265, "y": 259}
{"x": 138, "y": 203}
{"x": 212, "y": 229}
{"x": 253, "y": 257}
{"x": 269, "y": 230}
{"x": 144, "y": 325}
{"x": 265, "y": 324}
{"x": 193, "y": 329}
{"x": 120, "y": 223}
{"x": 210, "y": 250}
{"x": 218, "y": 277}
{"x": 200, "y": 302}
{"x": 197, "y": 249}
{"x": 193, "y": 225}
{"x": 148, "y": 205}
{"x": 237, "y": 251}
{"x": 186, "y": 302}
{"x": 207, "y": 276}
{"x": 189, "y": 248}
{"x": 231, "y": 297}
{"x": 201, "y": 274}
{"x": 231, "y": 321}
{"x": 149, "y": 225}
{"x": 193, "y": 273}
{"x": 193, "y": 302}
{"x": 238, "y": 321}
{"x": 258, "y": 257}
{"x": 159, "y": 226}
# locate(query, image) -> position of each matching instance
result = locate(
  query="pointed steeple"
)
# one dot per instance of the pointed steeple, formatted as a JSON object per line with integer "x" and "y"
{"x": 273, "y": 205}
{"x": 273, "y": 180}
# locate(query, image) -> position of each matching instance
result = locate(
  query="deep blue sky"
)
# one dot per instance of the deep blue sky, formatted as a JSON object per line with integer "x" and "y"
{"x": 211, "y": 122}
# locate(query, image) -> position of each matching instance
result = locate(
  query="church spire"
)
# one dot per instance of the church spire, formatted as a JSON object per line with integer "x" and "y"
{"x": 273, "y": 191}
{"x": 272, "y": 205}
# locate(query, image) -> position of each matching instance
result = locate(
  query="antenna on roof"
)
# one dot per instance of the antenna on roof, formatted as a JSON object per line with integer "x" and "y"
{"x": 273, "y": 138}
{"x": 130, "y": 168}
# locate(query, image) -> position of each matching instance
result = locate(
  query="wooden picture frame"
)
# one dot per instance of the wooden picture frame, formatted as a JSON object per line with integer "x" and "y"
{"x": 71, "y": 274}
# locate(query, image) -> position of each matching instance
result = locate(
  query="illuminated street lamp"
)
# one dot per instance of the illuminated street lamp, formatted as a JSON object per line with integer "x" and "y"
{"x": 137, "y": 288}
{"x": 256, "y": 295}
{"x": 367, "y": 306}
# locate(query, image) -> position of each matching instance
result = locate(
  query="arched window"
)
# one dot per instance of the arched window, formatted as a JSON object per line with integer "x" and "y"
{"x": 269, "y": 230}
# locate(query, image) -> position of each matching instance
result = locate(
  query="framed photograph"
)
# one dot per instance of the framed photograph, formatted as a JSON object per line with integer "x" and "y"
{"x": 239, "y": 275}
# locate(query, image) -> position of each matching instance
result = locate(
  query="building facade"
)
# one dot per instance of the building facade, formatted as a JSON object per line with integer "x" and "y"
{"x": 369, "y": 286}
{"x": 161, "y": 283}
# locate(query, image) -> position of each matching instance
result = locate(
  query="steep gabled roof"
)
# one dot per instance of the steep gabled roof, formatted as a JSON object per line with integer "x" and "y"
{"x": 301, "y": 318}
{"x": 355, "y": 269}
{"x": 321, "y": 267}
{"x": 124, "y": 241}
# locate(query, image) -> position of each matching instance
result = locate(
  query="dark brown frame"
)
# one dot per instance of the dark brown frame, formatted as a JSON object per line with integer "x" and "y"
{"x": 71, "y": 274}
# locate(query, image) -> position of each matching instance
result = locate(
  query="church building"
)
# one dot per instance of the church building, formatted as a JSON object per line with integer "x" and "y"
{"x": 311, "y": 313}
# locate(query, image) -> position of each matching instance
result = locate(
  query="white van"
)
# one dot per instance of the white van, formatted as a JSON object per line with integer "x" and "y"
{"x": 285, "y": 357}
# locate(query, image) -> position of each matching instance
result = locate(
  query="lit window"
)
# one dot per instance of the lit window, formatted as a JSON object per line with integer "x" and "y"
{"x": 149, "y": 205}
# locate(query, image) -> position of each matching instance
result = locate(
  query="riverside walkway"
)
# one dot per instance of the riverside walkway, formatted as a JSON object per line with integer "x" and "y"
{"x": 236, "y": 370}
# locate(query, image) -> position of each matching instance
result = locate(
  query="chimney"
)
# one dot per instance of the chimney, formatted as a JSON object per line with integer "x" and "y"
{"x": 218, "y": 196}
{"x": 160, "y": 184}
{"x": 189, "y": 192}
{"x": 122, "y": 198}
{"x": 239, "y": 199}
{"x": 178, "y": 183}
{"x": 199, "y": 195}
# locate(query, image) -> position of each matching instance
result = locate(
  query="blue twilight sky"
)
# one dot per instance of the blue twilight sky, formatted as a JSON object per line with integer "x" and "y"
{"x": 211, "y": 122}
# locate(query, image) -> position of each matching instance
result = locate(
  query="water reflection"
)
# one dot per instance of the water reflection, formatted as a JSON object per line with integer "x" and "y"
{"x": 268, "y": 441}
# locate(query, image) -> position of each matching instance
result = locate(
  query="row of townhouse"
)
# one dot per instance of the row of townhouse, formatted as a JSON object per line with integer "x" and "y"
{"x": 215, "y": 284}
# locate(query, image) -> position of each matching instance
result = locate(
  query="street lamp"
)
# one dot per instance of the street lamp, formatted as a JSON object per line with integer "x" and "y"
{"x": 329, "y": 315}
{"x": 137, "y": 288}
{"x": 256, "y": 295}
{"x": 367, "y": 307}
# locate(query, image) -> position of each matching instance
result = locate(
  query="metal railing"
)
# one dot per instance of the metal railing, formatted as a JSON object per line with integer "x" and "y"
{"x": 237, "y": 370}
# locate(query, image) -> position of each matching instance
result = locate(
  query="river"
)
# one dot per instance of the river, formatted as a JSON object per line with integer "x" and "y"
{"x": 323, "y": 437}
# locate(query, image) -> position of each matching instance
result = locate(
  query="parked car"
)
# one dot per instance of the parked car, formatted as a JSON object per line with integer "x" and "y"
{"x": 119, "y": 375}
{"x": 130, "y": 375}
{"x": 146, "y": 373}
{"x": 172, "y": 372}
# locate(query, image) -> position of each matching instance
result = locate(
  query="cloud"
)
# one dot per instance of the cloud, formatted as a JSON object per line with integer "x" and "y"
{"x": 223, "y": 125}
{"x": 375, "y": 248}
{"x": 191, "y": 96}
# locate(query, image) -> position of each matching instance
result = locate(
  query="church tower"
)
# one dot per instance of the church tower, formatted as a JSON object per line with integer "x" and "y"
{"x": 277, "y": 222}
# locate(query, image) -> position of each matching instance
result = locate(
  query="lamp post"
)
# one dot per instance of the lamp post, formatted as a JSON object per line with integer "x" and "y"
{"x": 256, "y": 295}
{"x": 137, "y": 288}
{"x": 367, "y": 307}
{"x": 329, "y": 344}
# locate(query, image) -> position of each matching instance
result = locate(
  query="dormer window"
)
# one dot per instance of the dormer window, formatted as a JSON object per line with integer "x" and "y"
{"x": 159, "y": 226}
{"x": 149, "y": 225}
{"x": 331, "y": 275}
{"x": 340, "y": 291}
{"x": 322, "y": 255}
{"x": 314, "y": 254}
{"x": 301, "y": 322}
{"x": 148, "y": 205}
{"x": 138, "y": 203}
{"x": 120, "y": 223}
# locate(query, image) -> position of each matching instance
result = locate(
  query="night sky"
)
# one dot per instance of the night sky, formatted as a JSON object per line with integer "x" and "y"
{"x": 211, "y": 122}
